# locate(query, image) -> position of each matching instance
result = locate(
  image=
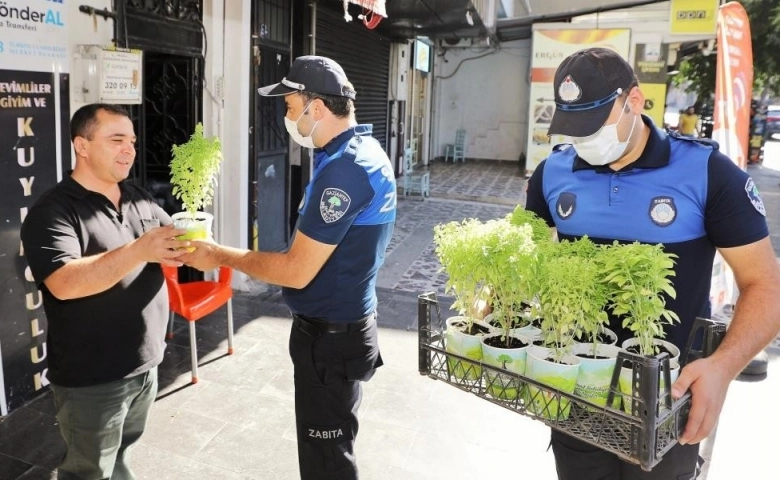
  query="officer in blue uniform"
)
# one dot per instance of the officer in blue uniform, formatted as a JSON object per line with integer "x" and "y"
{"x": 622, "y": 178}
{"x": 329, "y": 273}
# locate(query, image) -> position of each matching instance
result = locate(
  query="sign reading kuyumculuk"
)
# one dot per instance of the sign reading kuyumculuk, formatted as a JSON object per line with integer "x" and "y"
{"x": 28, "y": 159}
{"x": 34, "y": 61}
{"x": 34, "y": 35}
{"x": 120, "y": 80}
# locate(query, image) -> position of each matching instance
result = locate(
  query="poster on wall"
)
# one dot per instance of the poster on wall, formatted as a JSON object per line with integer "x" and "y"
{"x": 33, "y": 35}
{"x": 550, "y": 47}
{"x": 34, "y": 111}
{"x": 650, "y": 63}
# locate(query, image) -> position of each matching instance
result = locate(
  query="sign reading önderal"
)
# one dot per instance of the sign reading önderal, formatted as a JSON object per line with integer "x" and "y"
{"x": 33, "y": 34}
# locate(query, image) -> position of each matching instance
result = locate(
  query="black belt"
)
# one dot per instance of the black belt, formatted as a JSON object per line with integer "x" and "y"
{"x": 317, "y": 326}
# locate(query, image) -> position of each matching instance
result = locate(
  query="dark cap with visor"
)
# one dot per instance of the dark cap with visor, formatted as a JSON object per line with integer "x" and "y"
{"x": 312, "y": 74}
{"x": 586, "y": 86}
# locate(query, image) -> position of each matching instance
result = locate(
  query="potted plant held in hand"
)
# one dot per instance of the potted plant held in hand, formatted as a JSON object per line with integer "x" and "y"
{"x": 194, "y": 168}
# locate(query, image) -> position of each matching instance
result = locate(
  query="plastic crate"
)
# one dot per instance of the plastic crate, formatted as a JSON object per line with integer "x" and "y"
{"x": 641, "y": 437}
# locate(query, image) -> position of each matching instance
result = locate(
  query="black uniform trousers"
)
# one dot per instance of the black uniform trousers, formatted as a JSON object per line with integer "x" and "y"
{"x": 330, "y": 360}
{"x": 577, "y": 460}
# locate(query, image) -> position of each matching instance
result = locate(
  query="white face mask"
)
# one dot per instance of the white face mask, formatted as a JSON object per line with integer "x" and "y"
{"x": 292, "y": 129}
{"x": 604, "y": 146}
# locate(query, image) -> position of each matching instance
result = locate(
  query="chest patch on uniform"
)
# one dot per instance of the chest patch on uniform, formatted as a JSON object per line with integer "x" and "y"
{"x": 334, "y": 204}
{"x": 663, "y": 211}
{"x": 567, "y": 203}
{"x": 755, "y": 198}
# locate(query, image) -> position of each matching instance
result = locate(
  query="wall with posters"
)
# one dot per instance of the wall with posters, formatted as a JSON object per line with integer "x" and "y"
{"x": 484, "y": 91}
{"x": 37, "y": 42}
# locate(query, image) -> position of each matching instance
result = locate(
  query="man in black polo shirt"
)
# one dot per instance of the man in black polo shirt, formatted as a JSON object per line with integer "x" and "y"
{"x": 329, "y": 274}
{"x": 624, "y": 179}
{"x": 93, "y": 244}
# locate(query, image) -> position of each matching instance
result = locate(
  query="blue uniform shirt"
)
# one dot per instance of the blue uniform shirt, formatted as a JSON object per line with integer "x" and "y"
{"x": 350, "y": 202}
{"x": 680, "y": 192}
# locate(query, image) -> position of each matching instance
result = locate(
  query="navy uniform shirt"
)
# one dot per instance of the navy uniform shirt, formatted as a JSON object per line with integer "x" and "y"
{"x": 114, "y": 334}
{"x": 682, "y": 193}
{"x": 350, "y": 202}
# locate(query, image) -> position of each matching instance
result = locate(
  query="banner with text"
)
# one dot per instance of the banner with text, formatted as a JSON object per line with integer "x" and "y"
{"x": 34, "y": 113}
{"x": 27, "y": 160}
{"x": 34, "y": 35}
{"x": 650, "y": 68}
{"x": 693, "y": 17}
{"x": 733, "y": 93}
{"x": 550, "y": 47}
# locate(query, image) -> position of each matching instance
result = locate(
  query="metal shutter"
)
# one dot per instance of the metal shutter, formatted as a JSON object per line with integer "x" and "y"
{"x": 365, "y": 57}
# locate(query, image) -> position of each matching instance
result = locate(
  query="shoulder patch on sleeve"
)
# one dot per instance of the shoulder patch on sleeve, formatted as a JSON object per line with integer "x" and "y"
{"x": 334, "y": 203}
{"x": 707, "y": 142}
{"x": 754, "y": 197}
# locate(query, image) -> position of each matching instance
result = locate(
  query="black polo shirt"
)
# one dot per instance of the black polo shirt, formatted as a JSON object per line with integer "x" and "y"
{"x": 681, "y": 192}
{"x": 115, "y": 334}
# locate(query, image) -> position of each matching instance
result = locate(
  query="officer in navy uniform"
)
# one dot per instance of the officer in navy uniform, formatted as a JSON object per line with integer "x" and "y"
{"x": 329, "y": 273}
{"x": 621, "y": 178}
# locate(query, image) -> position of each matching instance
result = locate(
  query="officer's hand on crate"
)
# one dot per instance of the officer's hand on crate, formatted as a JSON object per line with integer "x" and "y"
{"x": 708, "y": 383}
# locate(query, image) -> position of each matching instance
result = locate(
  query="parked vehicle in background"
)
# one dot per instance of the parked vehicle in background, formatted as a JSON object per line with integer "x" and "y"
{"x": 772, "y": 127}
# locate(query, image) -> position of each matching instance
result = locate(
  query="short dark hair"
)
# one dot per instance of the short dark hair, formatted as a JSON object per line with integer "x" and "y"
{"x": 625, "y": 93}
{"x": 339, "y": 106}
{"x": 83, "y": 122}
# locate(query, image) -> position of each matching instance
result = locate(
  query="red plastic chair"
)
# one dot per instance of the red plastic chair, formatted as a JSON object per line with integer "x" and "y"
{"x": 195, "y": 300}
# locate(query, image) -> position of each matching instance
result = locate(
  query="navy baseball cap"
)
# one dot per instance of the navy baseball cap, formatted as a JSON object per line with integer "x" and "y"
{"x": 313, "y": 74}
{"x": 586, "y": 86}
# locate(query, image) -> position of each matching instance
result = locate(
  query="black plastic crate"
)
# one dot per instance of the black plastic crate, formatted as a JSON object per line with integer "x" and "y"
{"x": 641, "y": 437}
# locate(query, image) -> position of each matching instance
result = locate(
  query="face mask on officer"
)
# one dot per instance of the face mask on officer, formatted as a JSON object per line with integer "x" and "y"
{"x": 292, "y": 129}
{"x": 604, "y": 146}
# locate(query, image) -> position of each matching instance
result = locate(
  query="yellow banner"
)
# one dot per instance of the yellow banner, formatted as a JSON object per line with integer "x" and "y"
{"x": 694, "y": 16}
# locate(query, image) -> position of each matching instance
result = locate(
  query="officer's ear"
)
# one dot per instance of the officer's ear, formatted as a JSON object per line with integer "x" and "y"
{"x": 636, "y": 100}
{"x": 318, "y": 109}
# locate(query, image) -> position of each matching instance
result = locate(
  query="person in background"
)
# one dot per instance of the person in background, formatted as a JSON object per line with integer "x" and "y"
{"x": 623, "y": 179}
{"x": 329, "y": 274}
{"x": 94, "y": 244}
{"x": 689, "y": 123}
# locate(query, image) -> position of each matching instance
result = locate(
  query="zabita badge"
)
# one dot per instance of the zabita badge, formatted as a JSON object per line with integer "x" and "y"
{"x": 334, "y": 204}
